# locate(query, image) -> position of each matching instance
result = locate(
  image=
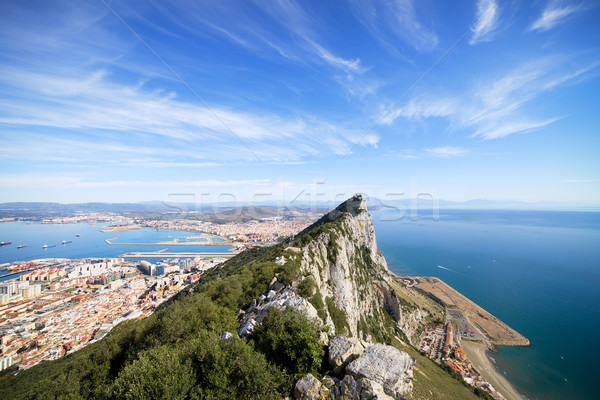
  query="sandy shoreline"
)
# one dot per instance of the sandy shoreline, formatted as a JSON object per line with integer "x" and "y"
{"x": 476, "y": 352}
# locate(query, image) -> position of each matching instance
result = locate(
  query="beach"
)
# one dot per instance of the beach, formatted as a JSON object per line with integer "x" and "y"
{"x": 476, "y": 352}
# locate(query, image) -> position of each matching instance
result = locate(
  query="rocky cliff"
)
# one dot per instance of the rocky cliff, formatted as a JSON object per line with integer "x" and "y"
{"x": 353, "y": 289}
{"x": 348, "y": 338}
{"x": 344, "y": 283}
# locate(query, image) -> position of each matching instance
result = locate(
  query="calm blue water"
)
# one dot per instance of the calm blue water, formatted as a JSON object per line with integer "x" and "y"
{"x": 91, "y": 242}
{"x": 537, "y": 271}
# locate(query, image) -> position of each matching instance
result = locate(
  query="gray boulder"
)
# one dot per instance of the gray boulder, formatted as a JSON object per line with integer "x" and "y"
{"x": 343, "y": 350}
{"x": 309, "y": 388}
{"x": 248, "y": 328}
{"x": 371, "y": 390}
{"x": 387, "y": 366}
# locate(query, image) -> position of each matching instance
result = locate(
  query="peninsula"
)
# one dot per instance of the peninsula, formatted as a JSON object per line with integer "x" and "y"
{"x": 317, "y": 315}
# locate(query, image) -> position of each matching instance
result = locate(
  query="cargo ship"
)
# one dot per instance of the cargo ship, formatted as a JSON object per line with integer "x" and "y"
{"x": 48, "y": 245}
{"x": 4, "y": 243}
{"x": 67, "y": 241}
{"x": 21, "y": 246}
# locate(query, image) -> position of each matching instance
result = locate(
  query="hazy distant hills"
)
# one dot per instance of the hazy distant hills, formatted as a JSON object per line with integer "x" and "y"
{"x": 265, "y": 209}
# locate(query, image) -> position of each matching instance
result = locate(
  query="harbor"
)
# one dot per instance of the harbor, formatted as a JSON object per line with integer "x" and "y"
{"x": 164, "y": 254}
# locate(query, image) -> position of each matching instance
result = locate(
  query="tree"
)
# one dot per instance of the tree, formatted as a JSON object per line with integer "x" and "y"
{"x": 291, "y": 340}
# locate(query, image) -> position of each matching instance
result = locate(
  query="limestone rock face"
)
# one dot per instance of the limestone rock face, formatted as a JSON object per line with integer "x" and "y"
{"x": 343, "y": 350}
{"x": 309, "y": 388}
{"x": 344, "y": 262}
{"x": 286, "y": 297}
{"x": 371, "y": 390}
{"x": 386, "y": 365}
{"x": 349, "y": 388}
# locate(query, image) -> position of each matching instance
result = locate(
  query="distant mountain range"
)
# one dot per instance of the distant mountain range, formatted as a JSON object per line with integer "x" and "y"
{"x": 267, "y": 208}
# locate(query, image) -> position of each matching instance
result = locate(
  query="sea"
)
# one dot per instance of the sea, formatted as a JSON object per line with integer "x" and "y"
{"x": 538, "y": 271}
{"x": 91, "y": 242}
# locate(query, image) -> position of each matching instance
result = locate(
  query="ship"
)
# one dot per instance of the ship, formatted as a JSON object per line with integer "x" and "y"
{"x": 4, "y": 243}
{"x": 48, "y": 245}
{"x": 21, "y": 246}
{"x": 77, "y": 234}
{"x": 66, "y": 241}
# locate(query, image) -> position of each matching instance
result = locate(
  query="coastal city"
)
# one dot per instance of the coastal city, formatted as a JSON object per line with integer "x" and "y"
{"x": 443, "y": 346}
{"x": 52, "y": 307}
{"x": 63, "y": 305}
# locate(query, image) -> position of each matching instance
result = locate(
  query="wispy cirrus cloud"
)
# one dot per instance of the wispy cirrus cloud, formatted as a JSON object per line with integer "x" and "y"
{"x": 486, "y": 21}
{"x": 24, "y": 180}
{"x": 99, "y": 109}
{"x": 448, "y": 151}
{"x": 349, "y": 65}
{"x": 389, "y": 21}
{"x": 498, "y": 108}
{"x": 553, "y": 15}
{"x": 287, "y": 30}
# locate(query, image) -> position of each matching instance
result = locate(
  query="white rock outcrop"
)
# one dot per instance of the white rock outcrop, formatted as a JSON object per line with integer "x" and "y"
{"x": 343, "y": 350}
{"x": 309, "y": 388}
{"x": 285, "y": 298}
{"x": 387, "y": 366}
{"x": 344, "y": 261}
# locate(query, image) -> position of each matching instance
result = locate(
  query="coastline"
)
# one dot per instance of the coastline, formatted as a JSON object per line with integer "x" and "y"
{"x": 493, "y": 331}
{"x": 476, "y": 352}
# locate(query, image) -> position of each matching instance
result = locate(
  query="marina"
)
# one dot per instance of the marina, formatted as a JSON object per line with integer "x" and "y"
{"x": 163, "y": 254}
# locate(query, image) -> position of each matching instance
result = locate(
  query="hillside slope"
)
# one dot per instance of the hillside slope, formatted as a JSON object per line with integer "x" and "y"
{"x": 286, "y": 302}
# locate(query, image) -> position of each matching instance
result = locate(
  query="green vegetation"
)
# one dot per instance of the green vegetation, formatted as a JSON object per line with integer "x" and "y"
{"x": 177, "y": 352}
{"x": 307, "y": 287}
{"x": 290, "y": 340}
{"x": 317, "y": 301}
{"x": 338, "y": 317}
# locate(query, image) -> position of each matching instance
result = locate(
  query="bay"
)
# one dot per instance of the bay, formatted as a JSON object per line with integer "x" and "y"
{"x": 537, "y": 271}
{"x": 91, "y": 242}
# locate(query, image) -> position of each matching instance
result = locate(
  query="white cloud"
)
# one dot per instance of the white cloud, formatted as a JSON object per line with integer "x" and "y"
{"x": 498, "y": 129}
{"x": 552, "y": 16}
{"x": 486, "y": 21}
{"x": 496, "y": 108}
{"x": 61, "y": 182}
{"x": 388, "y": 21}
{"x": 350, "y": 65}
{"x": 423, "y": 107}
{"x": 111, "y": 116}
{"x": 448, "y": 151}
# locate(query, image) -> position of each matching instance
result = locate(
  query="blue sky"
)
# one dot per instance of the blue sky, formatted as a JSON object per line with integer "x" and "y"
{"x": 122, "y": 101}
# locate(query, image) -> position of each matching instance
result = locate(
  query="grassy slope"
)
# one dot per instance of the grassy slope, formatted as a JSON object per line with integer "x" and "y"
{"x": 208, "y": 308}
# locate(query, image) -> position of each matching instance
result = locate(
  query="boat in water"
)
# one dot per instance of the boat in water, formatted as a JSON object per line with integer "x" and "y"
{"x": 67, "y": 241}
{"x": 77, "y": 235}
{"x": 21, "y": 246}
{"x": 48, "y": 245}
{"x": 5, "y": 243}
